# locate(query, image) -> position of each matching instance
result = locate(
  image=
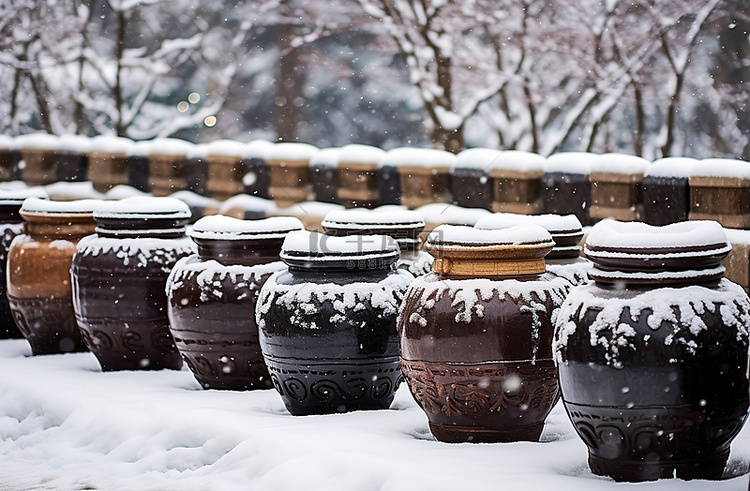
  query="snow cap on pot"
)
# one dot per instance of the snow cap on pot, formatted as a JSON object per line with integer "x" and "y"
{"x": 312, "y": 250}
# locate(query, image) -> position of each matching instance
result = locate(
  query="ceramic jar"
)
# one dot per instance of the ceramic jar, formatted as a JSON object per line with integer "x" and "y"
{"x": 212, "y": 297}
{"x": 11, "y": 225}
{"x": 328, "y": 323}
{"x": 119, "y": 280}
{"x": 403, "y": 225}
{"x": 38, "y": 272}
{"x": 653, "y": 355}
{"x": 564, "y": 260}
{"x": 476, "y": 334}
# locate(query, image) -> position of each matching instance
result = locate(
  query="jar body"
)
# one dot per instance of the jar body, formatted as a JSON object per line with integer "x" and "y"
{"x": 212, "y": 321}
{"x": 655, "y": 379}
{"x": 477, "y": 355}
{"x": 329, "y": 338}
{"x": 9, "y": 229}
{"x": 120, "y": 299}
{"x": 39, "y": 289}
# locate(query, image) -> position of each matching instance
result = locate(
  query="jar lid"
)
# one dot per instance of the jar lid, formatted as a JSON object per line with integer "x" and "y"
{"x": 566, "y": 230}
{"x": 468, "y": 251}
{"x": 399, "y": 224}
{"x": 312, "y": 250}
{"x": 637, "y": 253}
{"x": 45, "y": 207}
{"x": 143, "y": 212}
{"x": 221, "y": 227}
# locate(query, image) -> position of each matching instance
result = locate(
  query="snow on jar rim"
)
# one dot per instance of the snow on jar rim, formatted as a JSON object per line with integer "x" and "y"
{"x": 16, "y": 197}
{"x": 570, "y": 162}
{"x": 566, "y": 230}
{"x": 313, "y": 250}
{"x": 465, "y": 237}
{"x": 417, "y": 157}
{"x": 42, "y": 207}
{"x": 373, "y": 220}
{"x": 144, "y": 207}
{"x": 220, "y": 227}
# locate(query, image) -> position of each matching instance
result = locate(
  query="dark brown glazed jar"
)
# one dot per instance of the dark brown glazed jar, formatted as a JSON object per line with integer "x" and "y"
{"x": 11, "y": 224}
{"x": 119, "y": 279}
{"x": 403, "y": 225}
{"x": 212, "y": 297}
{"x": 476, "y": 334}
{"x": 653, "y": 355}
{"x": 328, "y": 323}
{"x": 38, "y": 272}
{"x": 564, "y": 259}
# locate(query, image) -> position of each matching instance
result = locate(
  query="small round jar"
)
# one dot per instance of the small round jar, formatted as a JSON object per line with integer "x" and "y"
{"x": 38, "y": 272}
{"x": 119, "y": 280}
{"x": 403, "y": 225}
{"x": 328, "y": 323}
{"x": 476, "y": 334}
{"x": 653, "y": 356}
{"x": 564, "y": 260}
{"x": 212, "y": 297}
{"x": 11, "y": 224}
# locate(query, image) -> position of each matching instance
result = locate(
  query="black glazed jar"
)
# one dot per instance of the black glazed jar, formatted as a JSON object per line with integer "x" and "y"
{"x": 403, "y": 225}
{"x": 119, "y": 278}
{"x": 328, "y": 323}
{"x": 212, "y": 297}
{"x": 653, "y": 355}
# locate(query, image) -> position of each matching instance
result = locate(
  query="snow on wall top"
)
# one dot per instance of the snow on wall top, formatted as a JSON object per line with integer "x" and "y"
{"x": 518, "y": 160}
{"x": 326, "y": 157}
{"x": 220, "y": 227}
{"x": 363, "y": 218}
{"x": 139, "y": 149}
{"x": 291, "y": 151}
{"x": 614, "y": 234}
{"x": 361, "y": 154}
{"x": 39, "y": 206}
{"x": 64, "y": 190}
{"x": 258, "y": 149}
{"x": 198, "y": 151}
{"x": 316, "y": 243}
{"x": 570, "y": 162}
{"x": 310, "y": 208}
{"x": 619, "y": 163}
{"x": 195, "y": 199}
{"x": 7, "y": 142}
{"x": 226, "y": 148}
{"x": 463, "y": 236}
{"x": 476, "y": 158}
{"x": 18, "y": 195}
{"x": 110, "y": 144}
{"x": 417, "y": 157}
{"x": 38, "y": 141}
{"x": 671, "y": 167}
{"x": 172, "y": 147}
{"x": 122, "y": 191}
{"x": 451, "y": 214}
{"x": 247, "y": 202}
{"x": 73, "y": 143}
{"x": 550, "y": 222}
{"x": 722, "y": 168}
{"x": 144, "y": 207}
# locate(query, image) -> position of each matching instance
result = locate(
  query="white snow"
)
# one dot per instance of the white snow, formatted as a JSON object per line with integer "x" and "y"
{"x": 619, "y": 163}
{"x": 552, "y": 223}
{"x": 64, "y": 190}
{"x": 73, "y": 144}
{"x": 170, "y": 147}
{"x": 731, "y": 168}
{"x": 37, "y": 141}
{"x": 314, "y": 242}
{"x": 309, "y": 208}
{"x": 635, "y": 235}
{"x": 519, "y": 161}
{"x": 248, "y": 203}
{"x": 144, "y": 207}
{"x": 326, "y": 157}
{"x": 418, "y": 157}
{"x": 258, "y": 149}
{"x": 220, "y": 227}
{"x": 7, "y": 142}
{"x": 17, "y": 196}
{"x": 451, "y": 214}
{"x": 139, "y": 149}
{"x": 354, "y": 153}
{"x": 354, "y": 219}
{"x": 139, "y": 252}
{"x": 291, "y": 151}
{"x": 463, "y": 236}
{"x": 476, "y": 158}
{"x": 671, "y": 167}
{"x": 122, "y": 191}
{"x": 111, "y": 144}
{"x": 226, "y": 148}
{"x": 195, "y": 199}
{"x": 39, "y": 206}
{"x": 570, "y": 162}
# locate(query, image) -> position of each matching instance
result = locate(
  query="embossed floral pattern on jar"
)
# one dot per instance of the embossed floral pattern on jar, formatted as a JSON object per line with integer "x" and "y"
{"x": 119, "y": 280}
{"x": 653, "y": 355}
{"x": 328, "y": 322}
{"x": 212, "y": 297}
{"x": 39, "y": 290}
{"x": 476, "y": 334}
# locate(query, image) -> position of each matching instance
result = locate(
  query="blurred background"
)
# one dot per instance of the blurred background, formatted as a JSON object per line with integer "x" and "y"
{"x": 648, "y": 77}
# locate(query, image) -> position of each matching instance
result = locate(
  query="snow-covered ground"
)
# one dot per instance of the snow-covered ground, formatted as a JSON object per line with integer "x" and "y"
{"x": 65, "y": 425}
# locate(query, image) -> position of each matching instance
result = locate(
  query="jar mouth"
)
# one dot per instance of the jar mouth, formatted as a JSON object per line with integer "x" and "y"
{"x": 340, "y": 261}
{"x": 664, "y": 277}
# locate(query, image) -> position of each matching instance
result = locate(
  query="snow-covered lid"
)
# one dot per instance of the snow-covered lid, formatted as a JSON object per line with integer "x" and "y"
{"x": 170, "y": 147}
{"x": 417, "y": 157}
{"x": 122, "y": 191}
{"x": 37, "y": 141}
{"x": 38, "y": 206}
{"x": 226, "y": 148}
{"x": 451, "y": 214}
{"x": 570, "y": 162}
{"x": 258, "y": 149}
{"x": 671, "y": 167}
{"x": 144, "y": 207}
{"x": 65, "y": 190}
{"x": 399, "y": 224}
{"x": 566, "y": 230}
{"x": 291, "y": 151}
{"x": 355, "y": 153}
{"x": 467, "y": 251}
{"x": 194, "y": 199}
{"x": 312, "y": 250}
{"x": 731, "y": 168}
{"x": 619, "y": 163}
{"x": 7, "y": 142}
{"x": 247, "y": 202}
{"x": 520, "y": 161}
{"x": 220, "y": 227}
{"x": 110, "y": 144}
{"x": 310, "y": 208}
{"x": 476, "y": 158}
{"x": 16, "y": 196}
{"x": 326, "y": 157}
{"x": 73, "y": 144}
{"x": 634, "y": 252}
